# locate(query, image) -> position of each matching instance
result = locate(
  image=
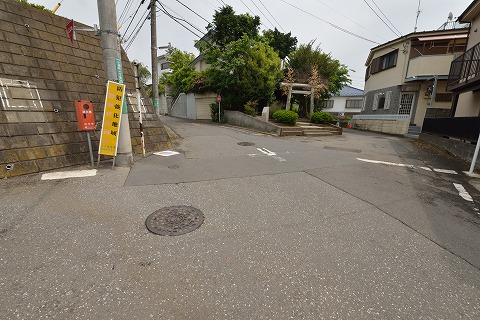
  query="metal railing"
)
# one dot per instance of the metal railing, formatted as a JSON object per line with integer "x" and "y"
{"x": 463, "y": 128}
{"x": 465, "y": 68}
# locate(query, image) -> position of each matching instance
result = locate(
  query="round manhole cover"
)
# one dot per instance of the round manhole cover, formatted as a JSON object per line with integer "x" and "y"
{"x": 246, "y": 144}
{"x": 174, "y": 221}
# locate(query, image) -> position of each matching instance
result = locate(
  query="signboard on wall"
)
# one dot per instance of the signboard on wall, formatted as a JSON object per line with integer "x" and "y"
{"x": 112, "y": 115}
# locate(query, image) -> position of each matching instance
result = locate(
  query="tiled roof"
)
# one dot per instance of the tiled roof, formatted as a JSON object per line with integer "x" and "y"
{"x": 348, "y": 91}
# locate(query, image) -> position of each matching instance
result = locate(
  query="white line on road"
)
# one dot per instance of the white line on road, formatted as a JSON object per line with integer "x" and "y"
{"x": 69, "y": 174}
{"x": 463, "y": 193}
{"x": 267, "y": 152}
{"x": 408, "y": 166}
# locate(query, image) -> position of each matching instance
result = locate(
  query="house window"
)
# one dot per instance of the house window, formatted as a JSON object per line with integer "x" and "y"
{"x": 384, "y": 62}
{"x": 327, "y": 104}
{"x": 357, "y": 104}
{"x": 382, "y": 100}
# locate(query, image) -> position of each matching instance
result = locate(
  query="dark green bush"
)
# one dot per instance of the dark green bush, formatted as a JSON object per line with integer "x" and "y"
{"x": 214, "y": 113}
{"x": 285, "y": 116}
{"x": 249, "y": 108}
{"x": 321, "y": 117}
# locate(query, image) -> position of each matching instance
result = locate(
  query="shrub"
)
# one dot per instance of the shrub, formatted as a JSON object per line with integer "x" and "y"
{"x": 295, "y": 108}
{"x": 321, "y": 117}
{"x": 285, "y": 116}
{"x": 214, "y": 113}
{"x": 249, "y": 108}
{"x": 274, "y": 107}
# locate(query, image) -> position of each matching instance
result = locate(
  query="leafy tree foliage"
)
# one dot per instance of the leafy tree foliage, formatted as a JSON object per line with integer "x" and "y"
{"x": 183, "y": 74}
{"x": 228, "y": 26}
{"x": 245, "y": 70}
{"x": 282, "y": 43}
{"x": 330, "y": 69}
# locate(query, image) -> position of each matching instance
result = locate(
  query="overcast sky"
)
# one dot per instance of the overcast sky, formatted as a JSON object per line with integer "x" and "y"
{"x": 311, "y": 20}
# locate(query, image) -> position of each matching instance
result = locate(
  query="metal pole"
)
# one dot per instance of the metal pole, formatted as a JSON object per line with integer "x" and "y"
{"x": 111, "y": 53}
{"x": 153, "y": 26}
{"x": 434, "y": 91}
{"x": 475, "y": 155}
{"x": 90, "y": 147}
{"x": 139, "y": 106}
{"x": 219, "y": 112}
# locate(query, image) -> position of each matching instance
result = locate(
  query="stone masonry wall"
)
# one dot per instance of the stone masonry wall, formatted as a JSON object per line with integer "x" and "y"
{"x": 42, "y": 74}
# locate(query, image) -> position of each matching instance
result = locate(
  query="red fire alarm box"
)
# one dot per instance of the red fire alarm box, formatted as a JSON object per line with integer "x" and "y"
{"x": 85, "y": 115}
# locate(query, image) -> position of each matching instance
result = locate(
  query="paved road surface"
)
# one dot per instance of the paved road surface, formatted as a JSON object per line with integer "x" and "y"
{"x": 295, "y": 228}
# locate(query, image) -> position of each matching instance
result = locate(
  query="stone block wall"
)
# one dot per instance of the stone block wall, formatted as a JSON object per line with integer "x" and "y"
{"x": 398, "y": 127}
{"x": 42, "y": 74}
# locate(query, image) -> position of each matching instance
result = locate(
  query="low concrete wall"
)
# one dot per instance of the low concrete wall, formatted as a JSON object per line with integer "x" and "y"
{"x": 243, "y": 120}
{"x": 460, "y": 149}
{"x": 399, "y": 127}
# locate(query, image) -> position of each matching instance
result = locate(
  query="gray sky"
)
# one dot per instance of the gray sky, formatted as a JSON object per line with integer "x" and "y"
{"x": 353, "y": 16}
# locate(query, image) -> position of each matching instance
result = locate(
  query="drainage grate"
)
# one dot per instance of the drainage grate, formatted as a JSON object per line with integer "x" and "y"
{"x": 246, "y": 144}
{"x": 174, "y": 221}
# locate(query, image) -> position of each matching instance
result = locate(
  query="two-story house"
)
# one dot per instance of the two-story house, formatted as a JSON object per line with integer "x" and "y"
{"x": 408, "y": 76}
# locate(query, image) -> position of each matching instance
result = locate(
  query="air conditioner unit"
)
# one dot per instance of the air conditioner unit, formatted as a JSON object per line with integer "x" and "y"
{"x": 341, "y": 114}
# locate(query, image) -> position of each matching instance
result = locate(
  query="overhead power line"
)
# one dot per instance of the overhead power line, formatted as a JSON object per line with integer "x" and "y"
{"x": 179, "y": 17}
{"x": 133, "y": 35}
{"x": 177, "y": 20}
{"x": 271, "y": 15}
{"x": 340, "y": 13}
{"x": 331, "y": 24}
{"x": 262, "y": 13}
{"x": 395, "y": 32}
{"x": 133, "y": 18}
{"x": 193, "y": 11}
{"x": 386, "y": 16}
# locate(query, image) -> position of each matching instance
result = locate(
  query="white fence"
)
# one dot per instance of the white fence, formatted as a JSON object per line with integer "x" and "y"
{"x": 391, "y": 117}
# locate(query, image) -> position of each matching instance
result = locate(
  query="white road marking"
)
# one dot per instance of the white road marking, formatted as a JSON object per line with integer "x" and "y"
{"x": 463, "y": 193}
{"x": 445, "y": 171}
{"x": 69, "y": 174}
{"x": 166, "y": 153}
{"x": 408, "y": 166}
{"x": 267, "y": 152}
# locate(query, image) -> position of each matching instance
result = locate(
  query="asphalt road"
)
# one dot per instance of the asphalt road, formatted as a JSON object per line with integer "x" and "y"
{"x": 295, "y": 228}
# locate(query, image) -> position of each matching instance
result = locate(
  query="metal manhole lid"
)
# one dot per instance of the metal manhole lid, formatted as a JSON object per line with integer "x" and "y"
{"x": 174, "y": 221}
{"x": 246, "y": 144}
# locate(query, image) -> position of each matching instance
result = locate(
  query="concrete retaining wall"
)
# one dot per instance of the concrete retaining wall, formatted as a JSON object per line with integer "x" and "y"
{"x": 240, "y": 119}
{"x": 399, "y": 127}
{"x": 458, "y": 148}
{"x": 42, "y": 73}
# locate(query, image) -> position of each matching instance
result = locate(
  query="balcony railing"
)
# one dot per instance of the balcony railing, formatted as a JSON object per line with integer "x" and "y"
{"x": 463, "y": 128}
{"x": 465, "y": 70}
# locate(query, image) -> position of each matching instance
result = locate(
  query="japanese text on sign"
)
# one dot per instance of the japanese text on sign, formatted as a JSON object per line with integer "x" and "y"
{"x": 111, "y": 118}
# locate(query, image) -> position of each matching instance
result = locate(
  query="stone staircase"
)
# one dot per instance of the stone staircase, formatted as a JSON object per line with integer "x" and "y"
{"x": 310, "y": 130}
{"x": 413, "y": 132}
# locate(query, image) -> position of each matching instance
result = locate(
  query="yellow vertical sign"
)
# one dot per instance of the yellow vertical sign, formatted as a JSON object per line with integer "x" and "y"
{"x": 112, "y": 115}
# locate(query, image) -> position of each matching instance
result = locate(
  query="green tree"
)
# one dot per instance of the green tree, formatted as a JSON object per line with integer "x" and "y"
{"x": 228, "y": 26}
{"x": 245, "y": 70}
{"x": 282, "y": 43}
{"x": 330, "y": 70}
{"x": 183, "y": 74}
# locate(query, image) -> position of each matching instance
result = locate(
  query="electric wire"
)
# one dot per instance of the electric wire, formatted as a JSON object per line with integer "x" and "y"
{"x": 126, "y": 9}
{"x": 331, "y": 24}
{"x": 176, "y": 20}
{"x": 340, "y": 13}
{"x": 136, "y": 34}
{"x": 193, "y": 11}
{"x": 398, "y": 35}
{"x": 179, "y": 16}
{"x": 252, "y": 12}
{"x": 262, "y": 13}
{"x": 133, "y": 18}
{"x": 144, "y": 16}
{"x": 272, "y": 15}
{"x": 385, "y": 16}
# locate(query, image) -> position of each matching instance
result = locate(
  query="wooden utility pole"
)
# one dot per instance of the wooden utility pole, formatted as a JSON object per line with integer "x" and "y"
{"x": 112, "y": 63}
{"x": 153, "y": 25}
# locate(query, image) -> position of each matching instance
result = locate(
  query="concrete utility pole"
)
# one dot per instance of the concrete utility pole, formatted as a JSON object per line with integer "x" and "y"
{"x": 153, "y": 25}
{"x": 111, "y": 55}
